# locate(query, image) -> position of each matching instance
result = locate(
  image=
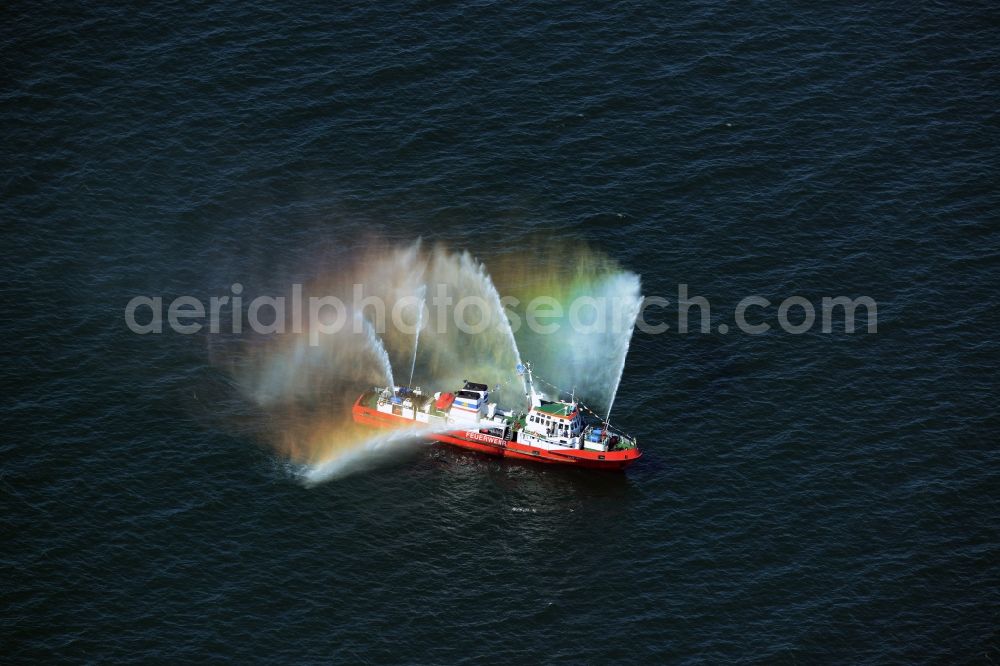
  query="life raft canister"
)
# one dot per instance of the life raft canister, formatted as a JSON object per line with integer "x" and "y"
{"x": 444, "y": 402}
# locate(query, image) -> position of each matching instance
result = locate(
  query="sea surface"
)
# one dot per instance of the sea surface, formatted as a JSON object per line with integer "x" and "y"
{"x": 823, "y": 497}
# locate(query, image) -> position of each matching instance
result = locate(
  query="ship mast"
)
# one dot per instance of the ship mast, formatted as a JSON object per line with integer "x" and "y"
{"x": 533, "y": 398}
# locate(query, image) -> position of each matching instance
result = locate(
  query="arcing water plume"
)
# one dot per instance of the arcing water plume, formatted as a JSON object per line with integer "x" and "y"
{"x": 375, "y": 344}
{"x": 599, "y": 304}
{"x": 619, "y": 350}
{"x": 303, "y": 385}
{"x": 365, "y": 455}
{"x": 416, "y": 335}
{"x": 448, "y": 354}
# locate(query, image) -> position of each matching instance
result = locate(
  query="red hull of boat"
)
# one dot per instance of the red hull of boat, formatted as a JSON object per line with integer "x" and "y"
{"x": 496, "y": 446}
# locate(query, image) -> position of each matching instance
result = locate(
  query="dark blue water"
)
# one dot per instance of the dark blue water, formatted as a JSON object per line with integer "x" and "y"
{"x": 815, "y": 497}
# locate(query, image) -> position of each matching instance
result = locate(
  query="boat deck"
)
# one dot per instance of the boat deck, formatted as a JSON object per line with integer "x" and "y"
{"x": 422, "y": 405}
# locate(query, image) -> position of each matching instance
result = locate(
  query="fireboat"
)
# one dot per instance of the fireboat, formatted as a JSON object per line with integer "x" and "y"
{"x": 546, "y": 431}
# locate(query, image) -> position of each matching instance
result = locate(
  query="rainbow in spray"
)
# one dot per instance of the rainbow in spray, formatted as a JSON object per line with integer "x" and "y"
{"x": 403, "y": 300}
